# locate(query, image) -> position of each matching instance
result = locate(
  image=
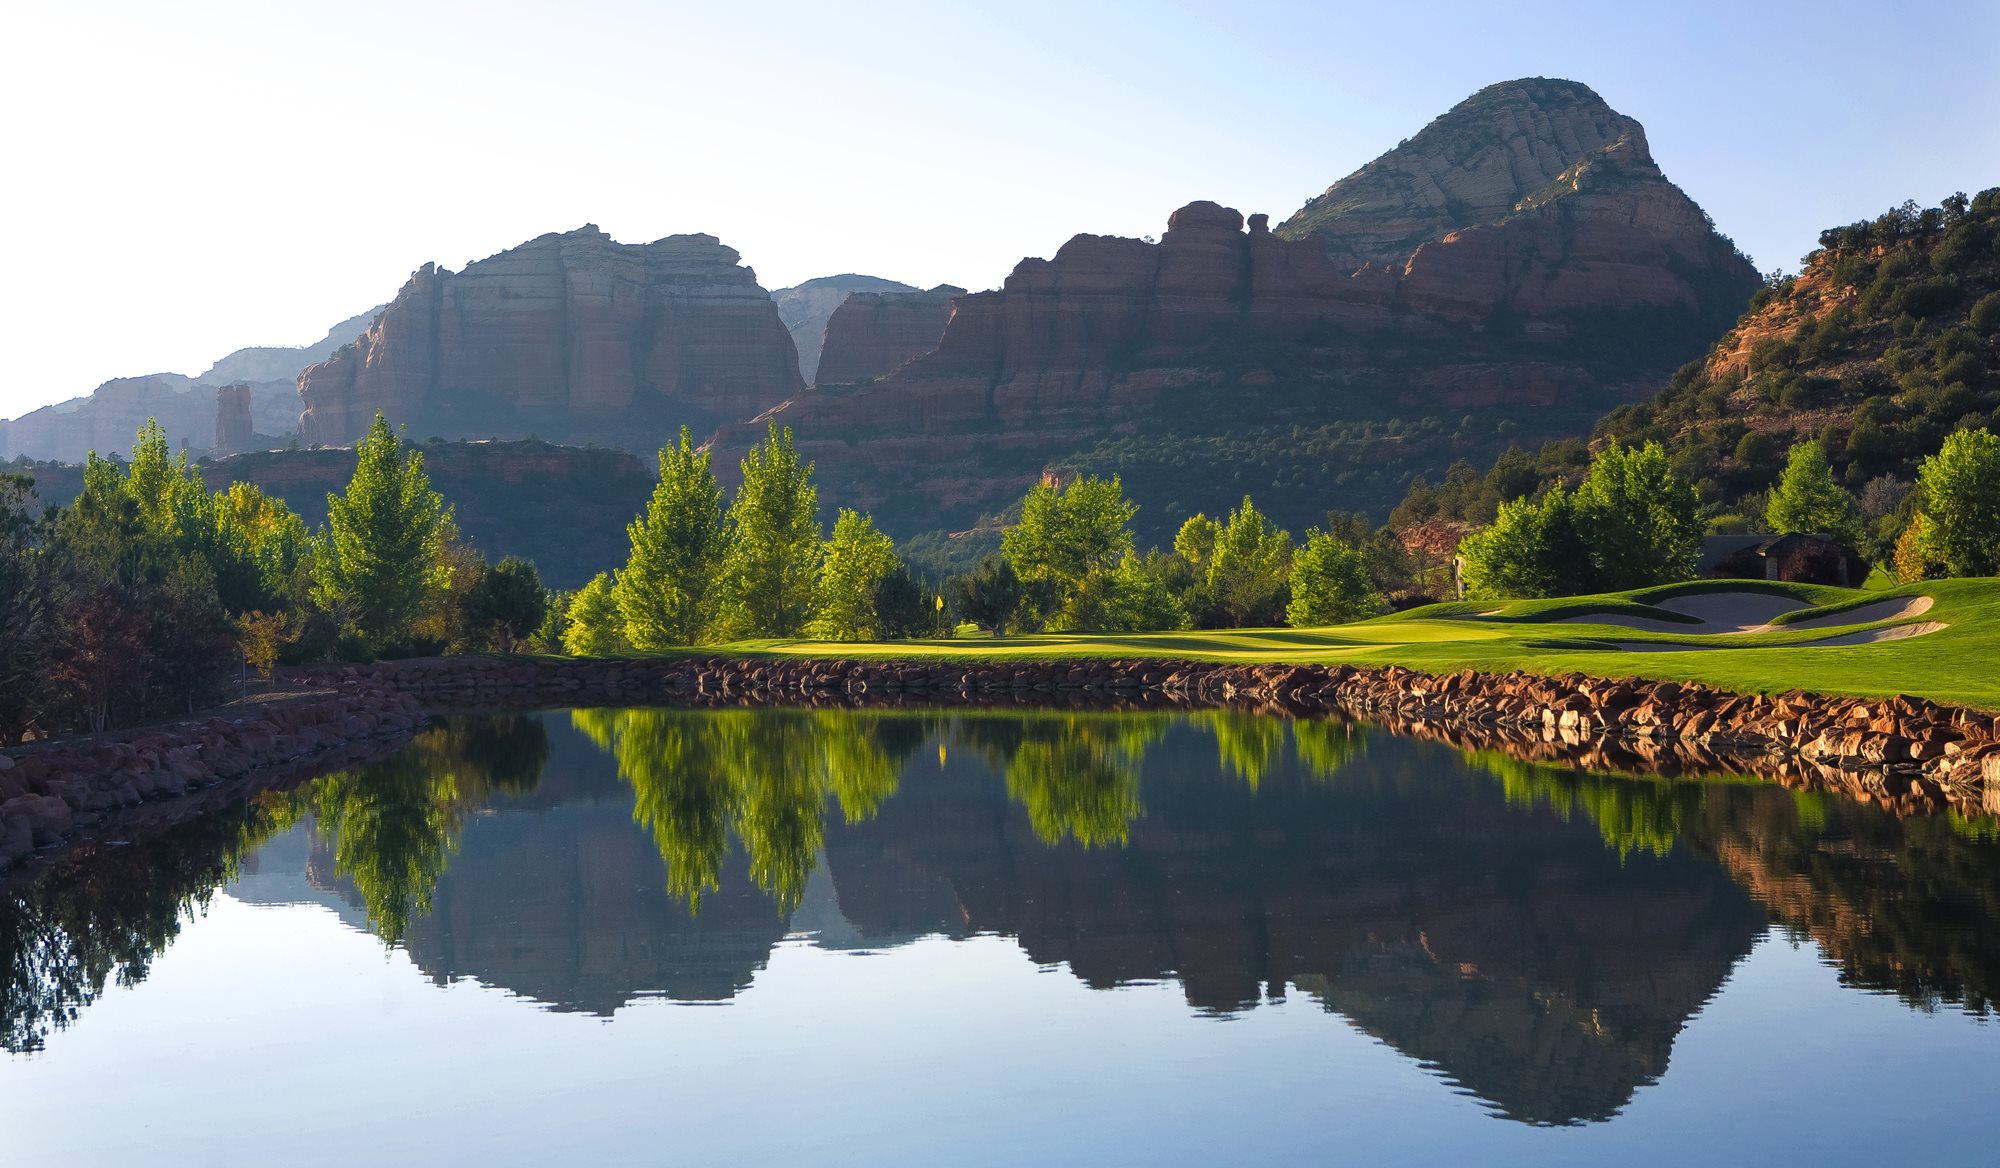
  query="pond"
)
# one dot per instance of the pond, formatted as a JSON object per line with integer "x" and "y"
{"x": 834, "y": 937}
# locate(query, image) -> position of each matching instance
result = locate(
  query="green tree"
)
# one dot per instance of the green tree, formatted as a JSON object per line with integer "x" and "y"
{"x": 385, "y": 538}
{"x": 1642, "y": 521}
{"x": 1329, "y": 584}
{"x": 1533, "y": 548}
{"x": 1195, "y": 542}
{"x": 1248, "y": 569}
{"x": 505, "y": 605}
{"x": 666, "y": 592}
{"x": 774, "y": 545}
{"x": 160, "y": 481}
{"x": 989, "y": 595}
{"x": 1961, "y": 492}
{"x": 1809, "y": 499}
{"x": 1138, "y": 600}
{"x": 856, "y": 559}
{"x": 1069, "y": 540}
{"x": 904, "y": 607}
{"x": 595, "y": 627}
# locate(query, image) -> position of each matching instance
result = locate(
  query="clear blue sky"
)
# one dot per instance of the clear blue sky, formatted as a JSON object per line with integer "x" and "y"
{"x": 186, "y": 179}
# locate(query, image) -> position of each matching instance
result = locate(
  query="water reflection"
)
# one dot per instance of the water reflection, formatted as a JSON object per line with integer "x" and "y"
{"x": 1537, "y": 936}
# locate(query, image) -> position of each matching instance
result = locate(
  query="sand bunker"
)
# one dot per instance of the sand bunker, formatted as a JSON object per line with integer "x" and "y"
{"x": 1714, "y": 612}
{"x": 1900, "y": 608}
{"x": 1737, "y": 613}
{"x": 1864, "y": 637}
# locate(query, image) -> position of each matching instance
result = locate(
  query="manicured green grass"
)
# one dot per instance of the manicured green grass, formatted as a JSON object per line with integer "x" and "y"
{"x": 1959, "y": 664}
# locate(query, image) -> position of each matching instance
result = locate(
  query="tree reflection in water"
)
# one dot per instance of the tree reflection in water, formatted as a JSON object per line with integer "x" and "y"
{"x": 102, "y": 916}
{"x": 763, "y": 775}
{"x": 1910, "y": 907}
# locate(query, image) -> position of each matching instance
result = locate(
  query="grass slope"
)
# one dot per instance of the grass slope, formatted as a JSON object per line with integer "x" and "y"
{"x": 1955, "y": 664}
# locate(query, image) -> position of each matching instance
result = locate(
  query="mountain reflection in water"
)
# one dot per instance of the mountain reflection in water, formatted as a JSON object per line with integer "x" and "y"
{"x": 1537, "y": 937}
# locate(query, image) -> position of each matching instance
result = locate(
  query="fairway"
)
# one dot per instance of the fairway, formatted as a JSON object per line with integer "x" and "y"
{"x": 1789, "y": 636}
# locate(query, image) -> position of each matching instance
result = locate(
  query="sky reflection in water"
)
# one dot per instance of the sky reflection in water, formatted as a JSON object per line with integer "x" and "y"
{"x": 996, "y": 938}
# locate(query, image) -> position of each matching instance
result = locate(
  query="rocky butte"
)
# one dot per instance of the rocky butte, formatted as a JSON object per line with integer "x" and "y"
{"x": 1509, "y": 273}
{"x": 256, "y": 387}
{"x": 570, "y": 337}
{"x": 873, "y": 334}
{"x": 806, "y": 308}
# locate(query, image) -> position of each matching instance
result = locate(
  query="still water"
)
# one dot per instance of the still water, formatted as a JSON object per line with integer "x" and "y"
{"x": 691, "y": 937}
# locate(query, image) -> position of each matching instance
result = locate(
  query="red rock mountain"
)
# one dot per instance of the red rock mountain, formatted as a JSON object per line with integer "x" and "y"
{"x": 806, "y": 308}
{"x": 1509, "y": 273}
{"x": 571, "y": 337}
{"x": 873, "y": 334}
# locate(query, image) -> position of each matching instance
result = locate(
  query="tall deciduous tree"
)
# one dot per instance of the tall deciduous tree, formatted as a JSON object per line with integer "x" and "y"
{"x": 1532, "y": 549}
{"x": 774, "y": 543}
{"x": 1246, "y": 572}
{"x": 857, "y": 557}
{"x": 385, "y": 537}
{"x": 1640, "y": 518}
{"x": 1961, "y": 493}
{"x": 989, "y": 595}
{"x": 1067, "y": 542}
{"x": 1809, "y": 499}
{"x": 667, "y": 591}
{"x": 1329, "y": 584}
{"x": 595, "y": 628}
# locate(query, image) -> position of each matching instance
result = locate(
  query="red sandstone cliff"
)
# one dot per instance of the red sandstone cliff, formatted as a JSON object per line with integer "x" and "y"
{"x": 806, "y": 308}
{"x": 1522, "y": 260}
{"x": 873, "y": 334}
{"x": 572, "y": 337}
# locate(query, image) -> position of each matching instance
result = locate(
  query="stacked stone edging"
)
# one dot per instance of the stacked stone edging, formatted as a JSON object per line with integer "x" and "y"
{"x": 49, "y": 791}
{"x": 1904, "y": 753}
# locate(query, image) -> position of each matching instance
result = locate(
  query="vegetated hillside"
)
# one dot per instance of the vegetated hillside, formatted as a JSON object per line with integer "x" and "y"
{"x": 1507, "y": 275}
{"x": 1887, "y": 341}
{"x": 564, "y": 507}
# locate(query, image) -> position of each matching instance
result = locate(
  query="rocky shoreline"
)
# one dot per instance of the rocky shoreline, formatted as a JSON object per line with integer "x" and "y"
{"x": 1908, "y": 755}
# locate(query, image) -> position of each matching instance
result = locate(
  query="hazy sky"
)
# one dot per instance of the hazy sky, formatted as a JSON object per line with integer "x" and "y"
{"x": 185, "y": 179}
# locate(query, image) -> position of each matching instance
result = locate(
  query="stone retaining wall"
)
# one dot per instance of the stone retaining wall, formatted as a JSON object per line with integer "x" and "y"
{"x": 1907, "y": 754}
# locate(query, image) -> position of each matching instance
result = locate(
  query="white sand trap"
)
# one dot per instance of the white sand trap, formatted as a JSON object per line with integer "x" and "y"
{"x": 1865, "y": 637}
{"x": 1899, "y": 608}
{"x": 1732, "y": 612}
{"x": 1876, "y": 636}
{"x": 1714, "y": 612}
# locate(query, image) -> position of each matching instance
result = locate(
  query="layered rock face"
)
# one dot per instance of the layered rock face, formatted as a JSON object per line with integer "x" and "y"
{"x": 283, "y": 362}
{"x": 107, "y": 420}
{"x": 193, "y": 411}
{"x": 234, "y": 427}
{"x": 1521, "y": 260}
{"x": 572, "y": 337}
{"x": 806, "y": 308}
{"x": 873, "y": 334}
{"x": 1533, "y": 196}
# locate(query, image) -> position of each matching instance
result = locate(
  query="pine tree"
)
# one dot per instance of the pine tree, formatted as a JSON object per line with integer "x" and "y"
{"x": 666, "y": 593}
{"x": 774, "y": 543}
{"x": 385, "y": 538}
